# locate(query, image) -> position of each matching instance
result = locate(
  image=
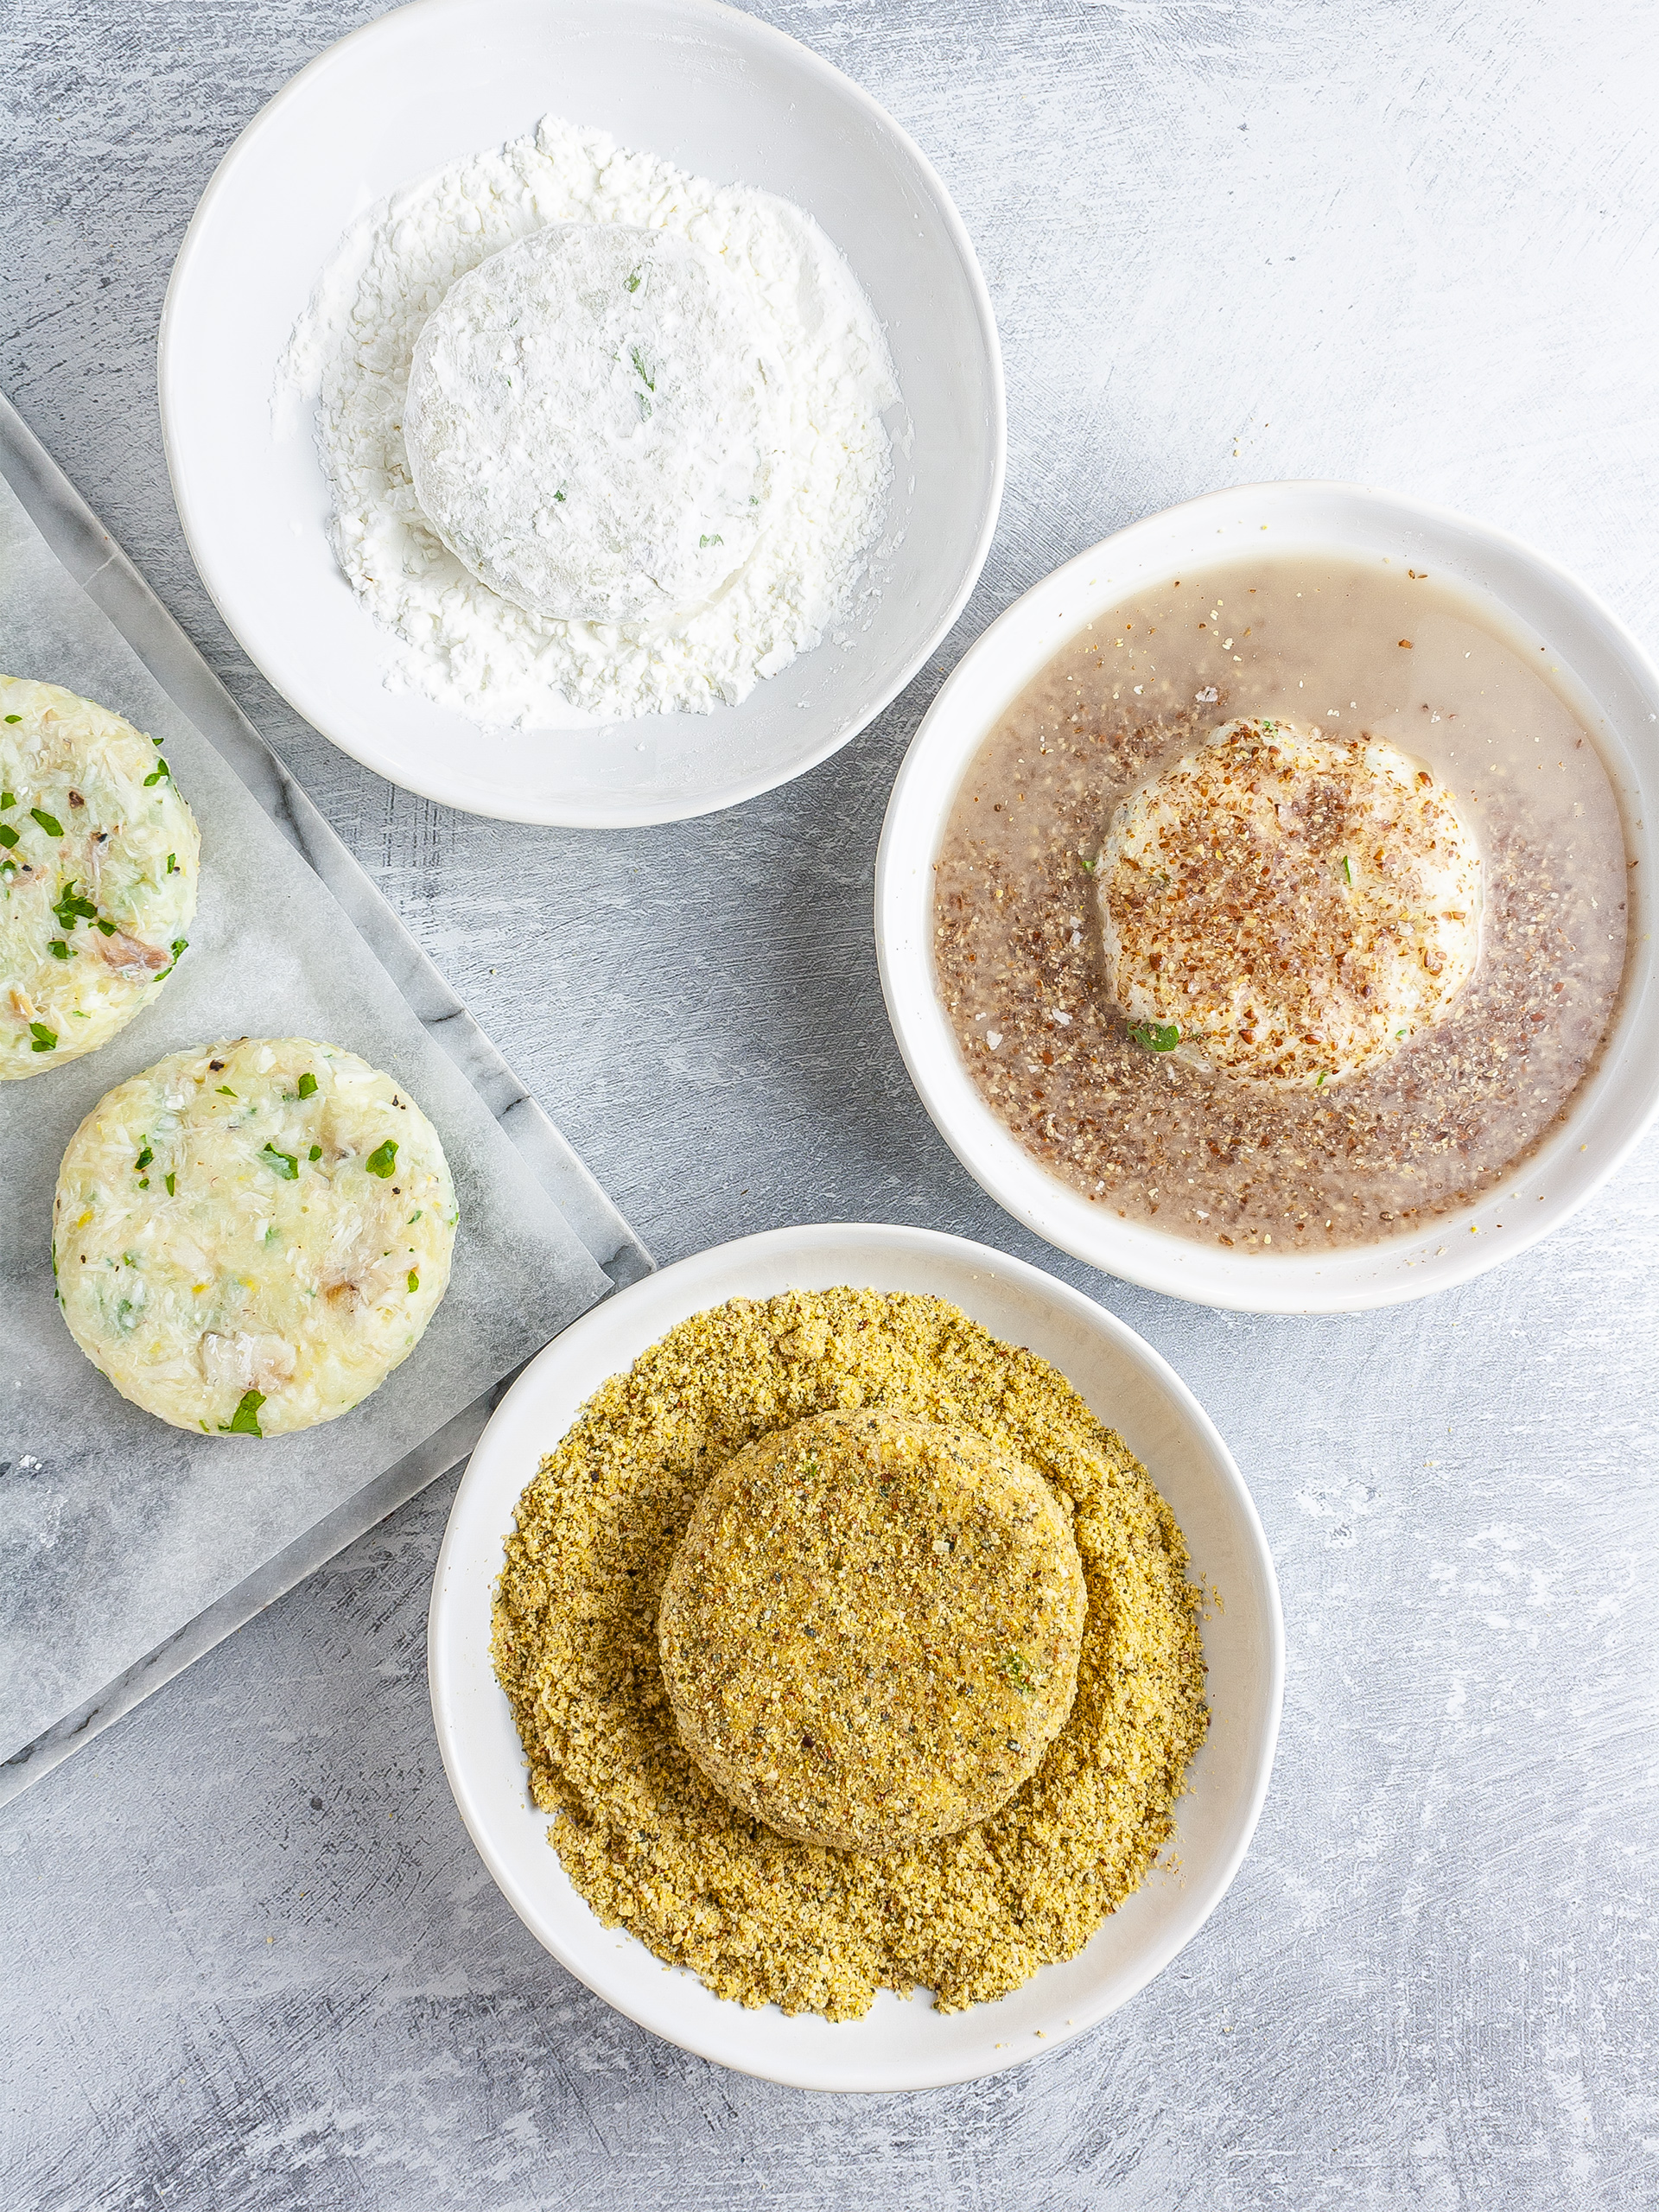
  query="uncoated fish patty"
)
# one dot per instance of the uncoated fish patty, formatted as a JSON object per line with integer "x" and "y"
{"x": 248, "y": 1238}
{"x": 870, "y": 1628}
{"x": 98, "y": 866}
{"x": 1292, "y": 906}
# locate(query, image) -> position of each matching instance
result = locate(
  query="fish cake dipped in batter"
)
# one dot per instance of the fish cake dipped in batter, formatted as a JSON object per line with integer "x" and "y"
{"x": 1286, "y": 907}
{"x": 249, "y": 1237}
{"x": 99, "y": 860}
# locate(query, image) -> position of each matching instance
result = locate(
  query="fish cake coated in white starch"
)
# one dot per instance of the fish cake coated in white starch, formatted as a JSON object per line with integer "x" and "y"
{"x": 249, "y": 1237}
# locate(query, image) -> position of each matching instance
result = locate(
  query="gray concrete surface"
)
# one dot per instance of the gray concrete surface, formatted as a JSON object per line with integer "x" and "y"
{"x": 248, "y": 1956}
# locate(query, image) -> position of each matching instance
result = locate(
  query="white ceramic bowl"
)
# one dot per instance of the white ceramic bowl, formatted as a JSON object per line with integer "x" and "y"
{"x": 705, "y": 87}
{"x": 1617, "y": 691}
{"x": 899, "y": 2044}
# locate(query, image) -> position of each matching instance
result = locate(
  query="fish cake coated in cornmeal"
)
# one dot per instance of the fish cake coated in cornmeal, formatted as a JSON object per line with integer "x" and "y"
{"x": 870, "y": 1629}
{"x": 99, "y": 866}
{"x": 250, "y": 1236}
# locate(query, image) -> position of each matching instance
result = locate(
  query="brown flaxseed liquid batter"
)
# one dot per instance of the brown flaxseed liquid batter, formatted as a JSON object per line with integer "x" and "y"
{"x": 1343, "y": 645}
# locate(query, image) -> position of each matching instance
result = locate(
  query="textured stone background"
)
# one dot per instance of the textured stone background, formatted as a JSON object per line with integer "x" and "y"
{"x": 247, "y": 1954}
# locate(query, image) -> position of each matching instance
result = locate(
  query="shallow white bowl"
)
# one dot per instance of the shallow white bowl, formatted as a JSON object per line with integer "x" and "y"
{"x": 716, "y": 91}
{"x": 899, "y": 2044}
{"x": 1617, "y": 692}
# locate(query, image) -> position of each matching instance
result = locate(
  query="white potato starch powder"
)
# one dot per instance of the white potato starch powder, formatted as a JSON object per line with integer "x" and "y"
{"x": 462, "y": 644}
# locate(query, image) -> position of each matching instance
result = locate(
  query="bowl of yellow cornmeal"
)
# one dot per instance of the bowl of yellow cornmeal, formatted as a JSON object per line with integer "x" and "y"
{"x": 855, "y": 1656}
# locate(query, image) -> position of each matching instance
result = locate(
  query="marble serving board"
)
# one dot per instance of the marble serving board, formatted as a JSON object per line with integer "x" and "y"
{"x": 128, "y": 1548}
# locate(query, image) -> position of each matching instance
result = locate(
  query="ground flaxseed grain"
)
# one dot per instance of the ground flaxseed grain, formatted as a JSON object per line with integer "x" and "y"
{"x": 650, "y": 1843}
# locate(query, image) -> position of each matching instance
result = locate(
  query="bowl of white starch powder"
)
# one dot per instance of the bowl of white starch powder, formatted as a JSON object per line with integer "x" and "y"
{"x": 584, "y": 414}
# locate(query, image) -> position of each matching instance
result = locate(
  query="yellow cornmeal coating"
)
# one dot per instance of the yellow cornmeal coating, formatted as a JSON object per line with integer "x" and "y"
{"x": 650, "y": 1843}
{"x": 869, "y": 1632}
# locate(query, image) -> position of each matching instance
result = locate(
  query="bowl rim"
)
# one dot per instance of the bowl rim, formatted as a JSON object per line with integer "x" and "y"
{"x": 308, "y": 697}
{"x": 657, "y": 1303}
{"x": 1354, "y": 1278}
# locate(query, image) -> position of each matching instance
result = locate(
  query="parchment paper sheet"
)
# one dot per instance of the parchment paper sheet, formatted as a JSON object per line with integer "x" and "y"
{"x": 116, "y": 1530}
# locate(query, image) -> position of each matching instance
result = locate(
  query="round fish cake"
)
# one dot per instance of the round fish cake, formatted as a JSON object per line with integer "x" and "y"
{"x": 249, "y": 1237}
{"x": 1286, "y": 907}
{"x": 595, "y": 423}
{"x": 870, "y": 1628}
{"x": 100, "y": 859}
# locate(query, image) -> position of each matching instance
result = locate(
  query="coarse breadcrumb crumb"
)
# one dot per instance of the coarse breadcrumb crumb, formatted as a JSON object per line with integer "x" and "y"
{"x": 652, "y": 1845}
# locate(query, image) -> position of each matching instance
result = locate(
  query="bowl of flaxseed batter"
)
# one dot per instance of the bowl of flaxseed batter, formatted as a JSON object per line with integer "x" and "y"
{"x": 885, "y": 1458}
{"x": 1261, "y": 906}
